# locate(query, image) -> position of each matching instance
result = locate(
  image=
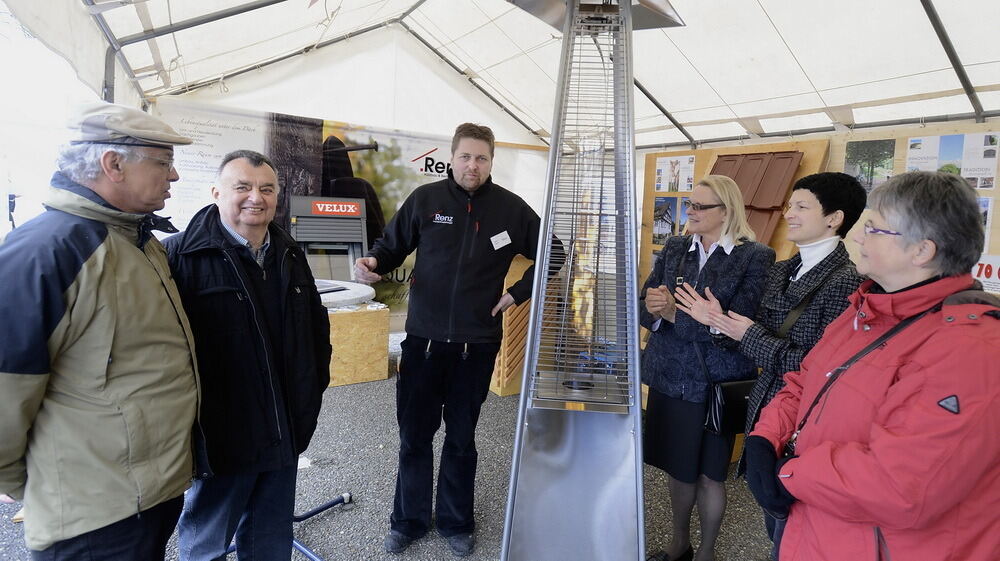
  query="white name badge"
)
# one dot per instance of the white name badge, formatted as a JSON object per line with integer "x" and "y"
{"x": 500, "y": 240}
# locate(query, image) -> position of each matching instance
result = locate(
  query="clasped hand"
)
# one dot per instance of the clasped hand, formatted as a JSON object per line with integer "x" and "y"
{"x": 708, "y": 311}
{"x": 660, "y": 303}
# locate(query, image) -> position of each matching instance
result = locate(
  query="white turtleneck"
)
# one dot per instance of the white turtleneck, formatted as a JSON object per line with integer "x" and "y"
{"x": 813, "y": 253}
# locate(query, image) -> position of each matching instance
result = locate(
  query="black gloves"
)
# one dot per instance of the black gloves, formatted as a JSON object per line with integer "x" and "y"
{"x": 762, "y": 477}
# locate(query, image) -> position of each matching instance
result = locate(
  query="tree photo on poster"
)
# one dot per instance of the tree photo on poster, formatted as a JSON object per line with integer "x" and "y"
{"x": 870, "y": 161}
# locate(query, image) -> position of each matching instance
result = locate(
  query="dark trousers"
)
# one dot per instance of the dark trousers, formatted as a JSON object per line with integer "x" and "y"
{"x": 256, "y": 507}
{"x": 142, "y": 536}
{"x": 775, "y": 528}
{"x": 449, "y": 381}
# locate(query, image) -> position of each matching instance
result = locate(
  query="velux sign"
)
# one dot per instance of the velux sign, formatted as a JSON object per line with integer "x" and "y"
{"x": 336, "y": 208}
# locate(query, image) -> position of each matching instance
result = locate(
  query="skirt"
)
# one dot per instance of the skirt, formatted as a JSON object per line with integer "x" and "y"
{"x": 675, "y": 440}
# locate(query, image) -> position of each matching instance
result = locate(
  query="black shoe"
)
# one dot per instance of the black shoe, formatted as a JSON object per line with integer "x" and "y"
{"x": 662, "y": 556}
{"x": 396, "y": 542}
{"x": 461, "y": 544}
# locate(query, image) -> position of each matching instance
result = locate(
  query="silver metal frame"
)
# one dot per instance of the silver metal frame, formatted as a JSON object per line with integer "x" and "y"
{"x": 576, "y": 476}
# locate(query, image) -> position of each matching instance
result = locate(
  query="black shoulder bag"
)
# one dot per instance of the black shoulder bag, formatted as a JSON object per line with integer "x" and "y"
{"x": 726, "y": 410}
{"x": 833, "y": 375}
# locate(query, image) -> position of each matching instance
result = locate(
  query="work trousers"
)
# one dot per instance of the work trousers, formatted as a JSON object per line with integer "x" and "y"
{"x": 141, "y": 536}
{"x": 439, "y": 381}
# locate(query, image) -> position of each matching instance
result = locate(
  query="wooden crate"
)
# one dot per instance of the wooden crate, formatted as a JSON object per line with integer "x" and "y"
{"x": 360, "y": 342}
{"x": 510, "y": 360}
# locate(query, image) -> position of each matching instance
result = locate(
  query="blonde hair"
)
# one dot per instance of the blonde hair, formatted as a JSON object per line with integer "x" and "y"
{"x": 735, "y": 225}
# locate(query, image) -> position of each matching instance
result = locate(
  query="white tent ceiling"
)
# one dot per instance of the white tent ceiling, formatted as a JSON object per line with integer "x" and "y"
{"x": 737, "y": 67}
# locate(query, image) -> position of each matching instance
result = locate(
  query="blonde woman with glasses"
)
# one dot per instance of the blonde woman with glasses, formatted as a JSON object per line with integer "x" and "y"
{"x": 717, "y": 258}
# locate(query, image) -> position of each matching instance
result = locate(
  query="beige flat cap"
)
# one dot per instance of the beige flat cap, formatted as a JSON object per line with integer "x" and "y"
{"x": 107, "y": 123}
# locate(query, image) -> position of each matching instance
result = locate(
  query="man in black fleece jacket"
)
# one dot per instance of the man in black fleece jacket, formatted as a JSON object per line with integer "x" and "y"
{"x": 466, "y": 231}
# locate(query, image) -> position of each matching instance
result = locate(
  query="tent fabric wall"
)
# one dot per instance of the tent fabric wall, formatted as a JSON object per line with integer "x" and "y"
{"x": 70, "y": 32}
{"x": 736, "y": 69}
{"x": 384, "y": 78}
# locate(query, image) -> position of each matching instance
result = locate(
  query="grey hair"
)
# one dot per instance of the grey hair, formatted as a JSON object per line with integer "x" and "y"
{"x": 935, "y": 206}
{"x": 82, "y": 162}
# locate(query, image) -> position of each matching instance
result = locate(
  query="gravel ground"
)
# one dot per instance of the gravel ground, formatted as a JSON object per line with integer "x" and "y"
{"x": 354, "y": 450}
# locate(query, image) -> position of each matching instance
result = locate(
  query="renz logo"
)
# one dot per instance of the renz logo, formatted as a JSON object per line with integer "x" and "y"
{"x": 442, "y": 219}
{"x": 430, "y": 165}
{"x": 336, "y": 208}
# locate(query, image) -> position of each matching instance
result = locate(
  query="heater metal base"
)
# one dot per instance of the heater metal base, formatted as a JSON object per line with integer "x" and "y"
{"x": 576, "y": 487}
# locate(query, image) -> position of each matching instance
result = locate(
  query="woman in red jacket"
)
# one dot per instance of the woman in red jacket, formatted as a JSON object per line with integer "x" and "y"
{"x": 883, "y": 445}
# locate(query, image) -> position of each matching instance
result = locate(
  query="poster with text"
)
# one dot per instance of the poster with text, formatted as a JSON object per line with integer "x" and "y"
{"x": 675, "y": 173}
{"x": 972, "y": 156}
{"x": 312, "y": 159}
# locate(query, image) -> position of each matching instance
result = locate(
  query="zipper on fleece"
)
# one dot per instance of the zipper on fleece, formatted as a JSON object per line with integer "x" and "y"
{"x": 458, "y": 272}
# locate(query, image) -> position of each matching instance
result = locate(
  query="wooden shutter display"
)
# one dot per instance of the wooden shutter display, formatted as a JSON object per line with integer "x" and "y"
{"x": 764, "y": 180}
{"x": 776, "y": 180}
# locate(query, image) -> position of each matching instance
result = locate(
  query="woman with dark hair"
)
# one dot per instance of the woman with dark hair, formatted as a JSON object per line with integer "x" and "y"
{"x": 803, "y": 294}
{"x": 883, "y": 444}
{"x": 681, "y": 360}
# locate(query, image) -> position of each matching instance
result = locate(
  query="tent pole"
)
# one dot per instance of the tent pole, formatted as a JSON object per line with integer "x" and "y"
{"x": 108, "y": 93}
{"x": 194, "y": 22}
{"x": 956, "y": 63}
{"x": 473, "y": 82}
{"x": 649, "y": 96}
{"x": 893, "y": 123}
{"x": 108, "y": 87}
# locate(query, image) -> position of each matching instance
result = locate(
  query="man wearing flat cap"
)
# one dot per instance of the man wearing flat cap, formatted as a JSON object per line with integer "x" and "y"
{"x": 96, "y": 366}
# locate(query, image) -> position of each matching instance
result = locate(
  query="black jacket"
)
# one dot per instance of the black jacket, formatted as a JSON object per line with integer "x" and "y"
{"x": 670, "y": 362}
{"x": 240, "y": 391}
{"x": 465, "y": 244}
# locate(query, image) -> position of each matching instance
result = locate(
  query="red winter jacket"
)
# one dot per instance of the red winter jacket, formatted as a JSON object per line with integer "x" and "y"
{"x": 901, "y": 458}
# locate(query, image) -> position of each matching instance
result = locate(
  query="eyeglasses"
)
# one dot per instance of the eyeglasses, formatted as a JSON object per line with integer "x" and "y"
{"x": 168, "y": 163}
{"x": 695, "y": 206}
{"x": 869, "y": 229}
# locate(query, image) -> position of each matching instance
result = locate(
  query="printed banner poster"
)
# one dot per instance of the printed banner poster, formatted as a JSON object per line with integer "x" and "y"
{"x": 675, "y": 173}
{"x": 311, "y": 160}
{"x": 973, "y": 156}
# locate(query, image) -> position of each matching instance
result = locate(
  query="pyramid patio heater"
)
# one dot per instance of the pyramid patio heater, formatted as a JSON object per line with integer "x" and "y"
{"x": 576, "y": 476}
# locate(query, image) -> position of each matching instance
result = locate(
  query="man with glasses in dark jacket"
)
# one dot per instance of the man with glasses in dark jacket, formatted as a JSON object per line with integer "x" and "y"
{"x": 263, "y": 342}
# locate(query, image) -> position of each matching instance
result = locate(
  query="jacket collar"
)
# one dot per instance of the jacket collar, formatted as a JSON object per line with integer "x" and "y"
{"x": 71, "y": 197}
{"x": 205, "y": 231}
{"x": 725, "y": 243}
{"x": 482, "y": 190}
{"x": 816, "y": 275}
{"x": 875, "y": 306}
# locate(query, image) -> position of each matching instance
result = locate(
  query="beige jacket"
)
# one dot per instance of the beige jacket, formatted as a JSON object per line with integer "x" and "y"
{"x": 98, "y": 382}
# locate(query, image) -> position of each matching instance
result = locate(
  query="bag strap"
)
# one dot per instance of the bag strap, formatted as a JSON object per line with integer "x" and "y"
{"x": 834, "y": 374}
{"x": 793, "y": 316}
{"x": 701, "y": 361}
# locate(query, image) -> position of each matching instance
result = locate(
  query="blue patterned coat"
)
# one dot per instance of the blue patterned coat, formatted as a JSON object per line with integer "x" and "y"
{"x": 670, "y": 363}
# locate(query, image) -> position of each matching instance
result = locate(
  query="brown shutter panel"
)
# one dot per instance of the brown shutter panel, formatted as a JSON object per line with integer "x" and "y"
{"x": 727, "y": 165}
{"x": 776, "y": 180}
{"x": 750, "y": 173}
